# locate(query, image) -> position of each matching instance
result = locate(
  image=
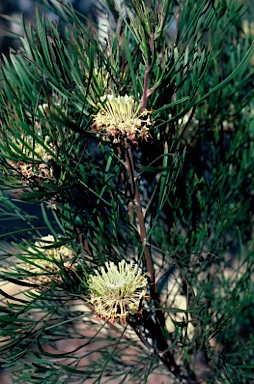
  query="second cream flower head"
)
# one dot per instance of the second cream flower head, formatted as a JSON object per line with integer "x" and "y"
{"x": 47, "y": 270}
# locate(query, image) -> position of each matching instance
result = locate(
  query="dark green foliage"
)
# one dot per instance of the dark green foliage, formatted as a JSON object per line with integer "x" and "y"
{"x": 190, "y": 64}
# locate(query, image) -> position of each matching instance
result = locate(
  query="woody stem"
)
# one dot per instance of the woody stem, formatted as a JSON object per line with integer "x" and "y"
{"x": 156, "y": 328}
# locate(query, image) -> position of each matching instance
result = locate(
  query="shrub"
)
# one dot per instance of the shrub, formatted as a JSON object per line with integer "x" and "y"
{"x": 127, "y": 155}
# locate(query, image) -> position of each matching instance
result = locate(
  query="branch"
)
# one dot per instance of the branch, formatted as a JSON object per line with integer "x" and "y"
{"x": 141, "y": 220}
{"x": 157, "y": 325}
{"x": 145, "y": 91}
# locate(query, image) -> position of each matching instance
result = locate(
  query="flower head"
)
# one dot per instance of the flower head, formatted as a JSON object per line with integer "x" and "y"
{"x": 120, "y": 117}
{"x": 37, "y": 162}
{"x": 40, "y": 265}
{"x": 45, "y": 109}
{"x": 117, "y": 290}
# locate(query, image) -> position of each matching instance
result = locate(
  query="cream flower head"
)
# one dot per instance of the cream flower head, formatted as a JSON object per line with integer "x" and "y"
{"x": 45, "y": 108}
{"x": 117, "y": 290}
{"x": 37, "y": 163}
{"x": 119, "y": 117}
{"x": 34, "y": 150}
{"x": 60, "y": 254}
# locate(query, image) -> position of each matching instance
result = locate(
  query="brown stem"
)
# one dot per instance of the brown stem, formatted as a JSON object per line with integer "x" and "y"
{"x": 145, "y": 91}
{"x": 127, "y": 192}
{"x": 141, "y": 221}
{"x": 155, "y": 327}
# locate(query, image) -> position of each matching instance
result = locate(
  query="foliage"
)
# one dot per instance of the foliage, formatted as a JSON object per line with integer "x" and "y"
{"x": 135, "y": 144}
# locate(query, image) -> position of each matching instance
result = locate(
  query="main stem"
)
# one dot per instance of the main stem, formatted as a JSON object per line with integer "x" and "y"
{"x": 140, "y": 216}
{"x": 156, "y": 326}
{"x": 145, "y": 90}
